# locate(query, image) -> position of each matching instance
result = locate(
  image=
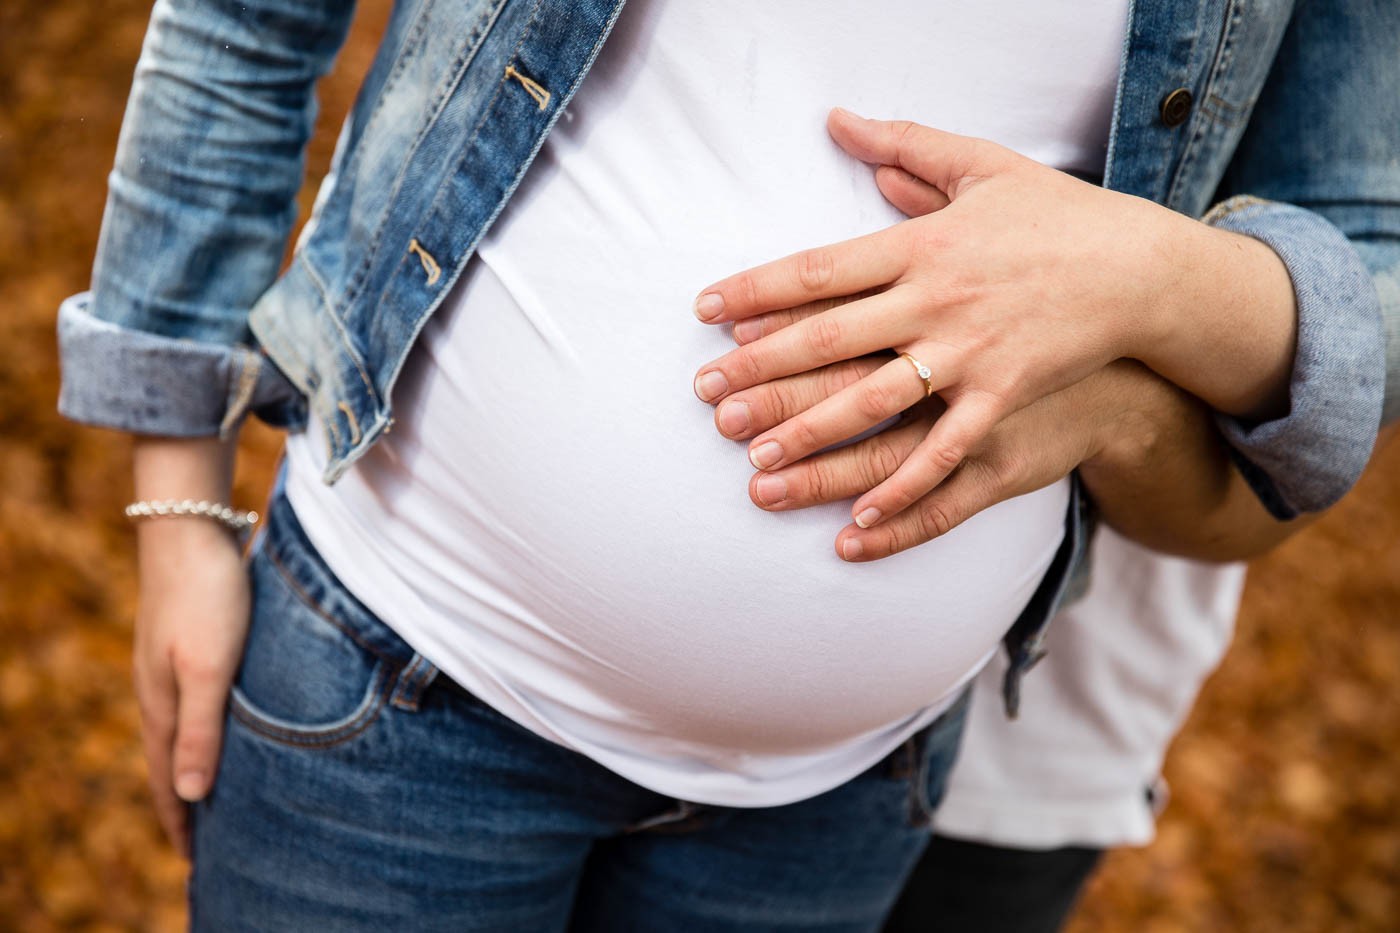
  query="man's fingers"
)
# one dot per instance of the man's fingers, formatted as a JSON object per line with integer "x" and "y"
{"x": 942, "y": 159}
{"x": 962, "y": 427}
{"x": 910, "y": 194}
{"x": 198, "y": 732}
{"x": 838, "y": 474}
{"x": 834, "y": 271}
{"x": 746, "y": 413}
{"x": 967, "y": 492}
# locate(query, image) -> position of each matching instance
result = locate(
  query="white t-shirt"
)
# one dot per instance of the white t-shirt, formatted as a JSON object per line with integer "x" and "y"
{"x": 1123, "y": 670}
{"x": 555, "y": 521}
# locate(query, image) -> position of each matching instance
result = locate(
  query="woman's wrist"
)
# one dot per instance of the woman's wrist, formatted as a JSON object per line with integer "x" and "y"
{"x": 183, "y": 468}
{"x": 170, "y": 468}
{"x": 1225, "y": 329}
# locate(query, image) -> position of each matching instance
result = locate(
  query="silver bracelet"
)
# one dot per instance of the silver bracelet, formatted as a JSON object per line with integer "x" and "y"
{"x": 236, "y": 519}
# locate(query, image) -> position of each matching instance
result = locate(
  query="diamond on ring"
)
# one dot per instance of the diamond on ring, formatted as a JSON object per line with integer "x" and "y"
{"x": 924, "y": 372}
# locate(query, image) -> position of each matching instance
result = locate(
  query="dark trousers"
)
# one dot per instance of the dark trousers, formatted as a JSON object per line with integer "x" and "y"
{"x": 967, "y": 887}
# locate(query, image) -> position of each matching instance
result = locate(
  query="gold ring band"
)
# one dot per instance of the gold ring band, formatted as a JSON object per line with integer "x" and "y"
{"x": 924, "y": 372}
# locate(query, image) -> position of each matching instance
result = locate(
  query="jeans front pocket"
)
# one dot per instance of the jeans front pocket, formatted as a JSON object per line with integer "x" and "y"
{"x": 304, "y": 680}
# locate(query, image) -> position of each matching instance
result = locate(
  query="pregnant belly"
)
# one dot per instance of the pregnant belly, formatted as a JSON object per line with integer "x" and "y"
{"x": 558, "y": 511}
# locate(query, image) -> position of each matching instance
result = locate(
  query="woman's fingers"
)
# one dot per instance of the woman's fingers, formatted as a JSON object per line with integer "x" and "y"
{"x": 825, "y": 272}
{"x": 155, "y": 694}
{"x": 858, "y": 407}
{"x": 746, "y": 413}
{"x": 198, "y": 729}
{"x": 968, "y": 420}
{"x": 849, "y": 331}
{"x": 194, "y": 610}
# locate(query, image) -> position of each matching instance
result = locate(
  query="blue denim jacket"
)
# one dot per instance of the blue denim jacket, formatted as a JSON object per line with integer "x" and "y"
{"x": 1286, "y": 120}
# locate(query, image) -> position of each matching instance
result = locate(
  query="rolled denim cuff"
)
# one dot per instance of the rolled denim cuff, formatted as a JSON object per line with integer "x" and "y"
{"x": 133, "y": 380}
{"x": 1306, "y": 460}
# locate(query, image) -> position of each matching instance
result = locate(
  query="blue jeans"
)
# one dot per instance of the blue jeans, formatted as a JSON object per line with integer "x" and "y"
{"x": 359, "y": 789}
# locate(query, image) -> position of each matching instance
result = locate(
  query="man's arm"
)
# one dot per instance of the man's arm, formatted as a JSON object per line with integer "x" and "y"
{"x": 1164, "y": 478}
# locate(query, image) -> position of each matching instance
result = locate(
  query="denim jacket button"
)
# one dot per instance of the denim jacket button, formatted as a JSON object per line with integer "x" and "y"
{"x": 1176, "y": 107}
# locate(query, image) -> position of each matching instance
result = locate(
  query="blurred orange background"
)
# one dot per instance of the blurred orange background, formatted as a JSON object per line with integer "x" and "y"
{"x": 1285, "y": 812}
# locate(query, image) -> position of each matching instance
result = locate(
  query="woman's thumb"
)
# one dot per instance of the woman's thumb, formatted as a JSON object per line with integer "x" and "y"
{"x": 941, "y": 159}
{"x": 913, "y": 196}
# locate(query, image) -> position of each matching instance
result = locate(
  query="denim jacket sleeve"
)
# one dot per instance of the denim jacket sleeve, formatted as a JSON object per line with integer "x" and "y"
{"x": 200, "y": 206}
{"x": 1316, "y": 178}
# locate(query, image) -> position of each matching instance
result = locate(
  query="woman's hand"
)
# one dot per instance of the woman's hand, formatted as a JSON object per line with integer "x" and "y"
{"x": 1015, "y": 282}
{"x": 190, "y": 626}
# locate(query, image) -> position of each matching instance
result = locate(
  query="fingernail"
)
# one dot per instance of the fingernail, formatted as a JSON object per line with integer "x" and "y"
{"x": 734, "y": 418}
{"x": 709, "y": 306}
{"x": 747, "y": 331}
{"x": 868, "y": 517}
{"x": 851, "y": 549}
{"x": 849, "y": 113}
{"x": 711, "y": 385}
{"x": 190, "y": 785}
{"x": 770, "y": 489}
{"x": 766, "y": 454}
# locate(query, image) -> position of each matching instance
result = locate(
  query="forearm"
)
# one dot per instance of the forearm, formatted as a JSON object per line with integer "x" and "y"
{"x": 1164, "y": 478}
{"x": 201, "y": 203}
{"x": 183, "y": 468}
{"x": 180, "y": 468}
{"x": 1226, "y": 326}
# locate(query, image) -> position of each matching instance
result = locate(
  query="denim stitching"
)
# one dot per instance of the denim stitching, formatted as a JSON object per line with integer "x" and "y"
{"x": 1200, "y": 120}
{"x": 376, "y": 698}
{"x": 242, "y": 394}
{"x": 300, "y": 592}
{"x": 538, "y": 92}
{"x": 437, "y": 199}
{"x": 345, "y": 341}
{"x": 459, "y": 67}
{"x": 1231, "y": 206}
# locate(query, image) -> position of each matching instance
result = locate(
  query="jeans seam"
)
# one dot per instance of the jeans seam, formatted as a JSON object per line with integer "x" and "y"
{"x": 305, "y": 598}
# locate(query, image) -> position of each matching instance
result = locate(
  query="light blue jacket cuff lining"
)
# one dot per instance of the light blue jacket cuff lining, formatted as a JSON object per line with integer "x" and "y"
{"x": 1309, "y": 458}
{"x": 132, "y": 380}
